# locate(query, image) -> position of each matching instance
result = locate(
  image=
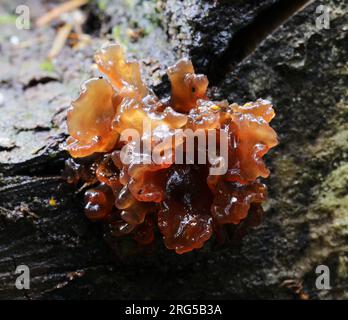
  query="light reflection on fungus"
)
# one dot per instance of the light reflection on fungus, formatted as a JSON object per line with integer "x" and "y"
{"x": 185, "y": 201}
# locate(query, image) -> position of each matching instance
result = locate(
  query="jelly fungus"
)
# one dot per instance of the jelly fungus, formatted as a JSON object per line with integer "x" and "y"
{"x": 183, "y": 200}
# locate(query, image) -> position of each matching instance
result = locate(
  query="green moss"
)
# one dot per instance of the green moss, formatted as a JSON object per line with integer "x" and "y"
{"x": 343, "y": 267}
{"x": 47, "y": 65}
{"x": 130, "y": 3}
{"x": 332, "y": 146}
{"x": 286, "y": 168}
{"x": 337, "y": 182}
{"x": 333, "y": 200}
{"x": 119, "y": 35}
{"x": 7, "y": 19}
{"x": 102, "y": 4}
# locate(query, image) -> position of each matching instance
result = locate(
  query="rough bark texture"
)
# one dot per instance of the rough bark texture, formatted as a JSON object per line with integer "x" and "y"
{"x": 301, "y": 69}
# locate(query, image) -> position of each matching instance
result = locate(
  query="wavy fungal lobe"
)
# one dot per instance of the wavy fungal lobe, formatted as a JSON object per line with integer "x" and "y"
{"x": 183, "y": 200}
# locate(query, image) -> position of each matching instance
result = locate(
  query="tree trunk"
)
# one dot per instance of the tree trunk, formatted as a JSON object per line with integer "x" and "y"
{"x": 271, "y": 49}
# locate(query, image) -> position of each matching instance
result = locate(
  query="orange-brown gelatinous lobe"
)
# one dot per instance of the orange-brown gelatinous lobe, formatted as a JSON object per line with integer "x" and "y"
{"x": 124, "y": 75}
{"x": 184, "y": 218}
{"x": 232, "y": 200}
{"x": 89, "y": 120}
{"x": 254, "y": 137}
{"x": 132, "y": 114}
{"x": 106, "y": 172}
{"x": 144, "y": 233}
{"x": 259, "y": 108}
{"x": 185, "y": 202}
{"x": 187, "y": 87}
{"x": 118, "y": 227}
{"x": 98, "y": 202}
{"x": 144, "y": 182}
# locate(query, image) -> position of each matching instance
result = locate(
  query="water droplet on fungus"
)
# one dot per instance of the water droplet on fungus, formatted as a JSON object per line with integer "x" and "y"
{"x": 184, "y": 201}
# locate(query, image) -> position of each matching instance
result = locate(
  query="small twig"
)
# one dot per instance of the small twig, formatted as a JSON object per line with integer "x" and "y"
{"x": 59, "y": 10}
{"x": 3, "y": 210}
{"x": 19, "y": 211}
{"x": 59, "y": 41}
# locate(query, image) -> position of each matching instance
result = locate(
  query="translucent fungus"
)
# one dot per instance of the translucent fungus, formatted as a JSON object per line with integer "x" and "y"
{"x": 185, "y": 202}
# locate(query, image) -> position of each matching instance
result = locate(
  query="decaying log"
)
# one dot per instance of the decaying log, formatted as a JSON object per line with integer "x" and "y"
{"x": 283, "y": 56}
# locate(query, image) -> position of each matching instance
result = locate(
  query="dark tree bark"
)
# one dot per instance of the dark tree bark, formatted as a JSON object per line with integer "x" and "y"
{"x": 270, "y": 49}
